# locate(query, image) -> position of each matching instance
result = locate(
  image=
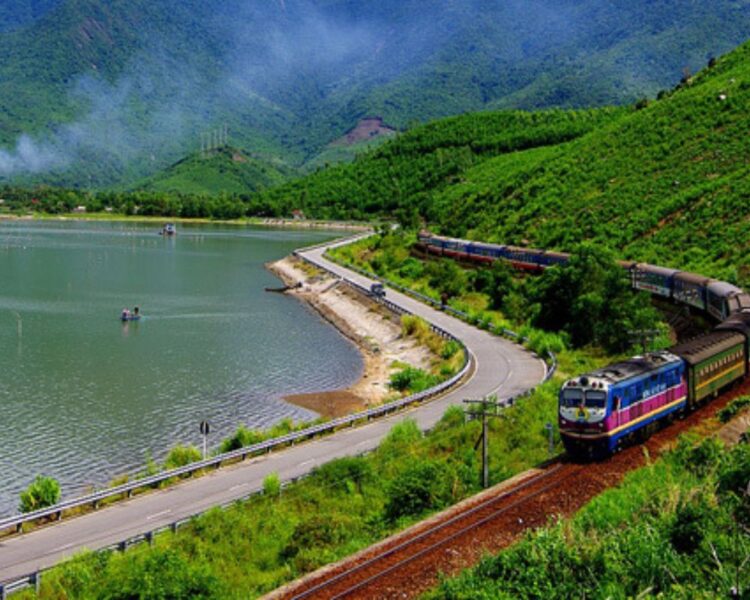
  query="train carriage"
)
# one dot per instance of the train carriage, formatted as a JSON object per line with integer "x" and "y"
{"x": 722, "y": 299}
{"x": 714, "y": 362}
{"x": 526, "y": 259}
{"x": 551, "y": 259}
{"x": 740, "y": 323}
{"x": 690, "y": 289}
{"x": 653, "y": 279}
{"x": 737, "y": 303}
{"x": 485, "y": 252}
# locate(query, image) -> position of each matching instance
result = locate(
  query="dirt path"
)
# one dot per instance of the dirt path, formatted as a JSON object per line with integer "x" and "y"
{"x": 374, "y": 329}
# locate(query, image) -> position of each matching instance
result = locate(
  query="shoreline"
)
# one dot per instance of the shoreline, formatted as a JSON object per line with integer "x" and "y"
{"x": 247, "y": 221}
{"x": 374, "y": 331}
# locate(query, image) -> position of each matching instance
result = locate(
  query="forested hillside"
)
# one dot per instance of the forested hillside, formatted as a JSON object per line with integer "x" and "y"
{"x": 404, "y": 175}
{"x": 224, "y": 170}
{"x": 98, "y": 93}
{"x": 664, "y": 181}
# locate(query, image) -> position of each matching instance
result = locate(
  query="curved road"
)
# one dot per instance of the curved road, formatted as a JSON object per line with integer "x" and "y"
{"x": 501, "y": 368}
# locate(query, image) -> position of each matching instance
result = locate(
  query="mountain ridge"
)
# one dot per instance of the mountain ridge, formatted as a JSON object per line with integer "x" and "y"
{"x": 146, "y": 79}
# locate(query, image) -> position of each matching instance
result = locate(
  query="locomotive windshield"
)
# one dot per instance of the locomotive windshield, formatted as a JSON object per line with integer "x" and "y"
{"x": 596, "y": 399}
{"x": 571, "y": 398}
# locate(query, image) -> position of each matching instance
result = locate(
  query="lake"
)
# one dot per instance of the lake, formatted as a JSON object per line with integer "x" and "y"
{"x": 86, "y": 397}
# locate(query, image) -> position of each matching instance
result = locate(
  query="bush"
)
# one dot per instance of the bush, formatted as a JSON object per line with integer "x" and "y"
{"x": 344, "y": 474}
{"x": 163, "y": 574}
{"x": 422, "y": 486}
{"x": 727, "y": 413}
{"x": 689, "y": 525}
{"x": 447, "y": 277}
{"x": 179, "y": 456}
{"x": 412, "y": 379}
{"x": 412, "y": 325}
{"x": 316, "y": 532}
{"x": 700, "y": 458}
{"x": 240, "y": 439}
{"x": 400, "y": 436}
{"x": 454, "y": 416}
{"x": 411, "y": 269}
{"x": 43, "y": 492}
{"x": 449, "y": 349}
{"x": 272, "y": 485}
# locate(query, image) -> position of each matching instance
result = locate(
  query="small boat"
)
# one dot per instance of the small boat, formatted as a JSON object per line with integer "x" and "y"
{"x": 168, "y": 229}
{"x": 130, "y": 315}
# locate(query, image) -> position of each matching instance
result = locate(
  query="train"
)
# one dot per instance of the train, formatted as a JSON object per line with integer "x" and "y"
{"x": 604, "y": 410}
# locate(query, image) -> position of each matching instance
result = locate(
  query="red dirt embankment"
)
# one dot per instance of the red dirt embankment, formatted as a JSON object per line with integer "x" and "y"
{"x": 366, "y": 129}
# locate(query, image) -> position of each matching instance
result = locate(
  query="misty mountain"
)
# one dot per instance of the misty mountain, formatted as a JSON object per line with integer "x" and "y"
{"x": 104, "y": 93}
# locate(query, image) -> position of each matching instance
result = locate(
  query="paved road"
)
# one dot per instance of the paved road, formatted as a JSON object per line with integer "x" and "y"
{"x": 501, "y": 367}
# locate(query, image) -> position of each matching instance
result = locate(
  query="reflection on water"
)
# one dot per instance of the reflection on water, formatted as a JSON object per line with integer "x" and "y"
{"x": 85, "y": 396}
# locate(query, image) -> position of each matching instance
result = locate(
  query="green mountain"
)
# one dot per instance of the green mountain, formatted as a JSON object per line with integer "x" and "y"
{"x": 98, "y": 94}
{"x": 223, "y": 170}
{"x": 664, "y": 181}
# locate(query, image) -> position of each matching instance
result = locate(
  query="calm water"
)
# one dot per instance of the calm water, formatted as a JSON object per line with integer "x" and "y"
{"x": 85, "y": 397}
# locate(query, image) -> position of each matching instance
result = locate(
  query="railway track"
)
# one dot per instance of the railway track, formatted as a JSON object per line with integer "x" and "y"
{"x": 361, "y": 578}
{"x": 411, "y": 562}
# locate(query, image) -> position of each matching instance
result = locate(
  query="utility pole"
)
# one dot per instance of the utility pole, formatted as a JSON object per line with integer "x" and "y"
{"x": 489, "y": 407}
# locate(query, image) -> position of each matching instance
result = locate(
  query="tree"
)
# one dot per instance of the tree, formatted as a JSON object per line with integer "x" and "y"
{"x": 591, "y": 299}
{"x": 447, "y": 277}
{"x": 43, "y": 492}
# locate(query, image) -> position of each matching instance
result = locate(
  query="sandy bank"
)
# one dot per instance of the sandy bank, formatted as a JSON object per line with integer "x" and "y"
{"x": 374, "y": 329}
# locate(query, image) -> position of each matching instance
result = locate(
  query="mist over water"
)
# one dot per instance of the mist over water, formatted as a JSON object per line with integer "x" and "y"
{"x": 86, "y": 397}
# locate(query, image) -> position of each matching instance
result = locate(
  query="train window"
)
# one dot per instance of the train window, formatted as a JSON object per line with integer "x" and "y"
{"x": 596, "y": 399}
{"x": 572, "y": 397}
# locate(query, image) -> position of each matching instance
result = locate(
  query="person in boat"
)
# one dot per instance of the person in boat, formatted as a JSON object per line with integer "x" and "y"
{"x": 125, "y": 314}
{"x": 136, "y": 312}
